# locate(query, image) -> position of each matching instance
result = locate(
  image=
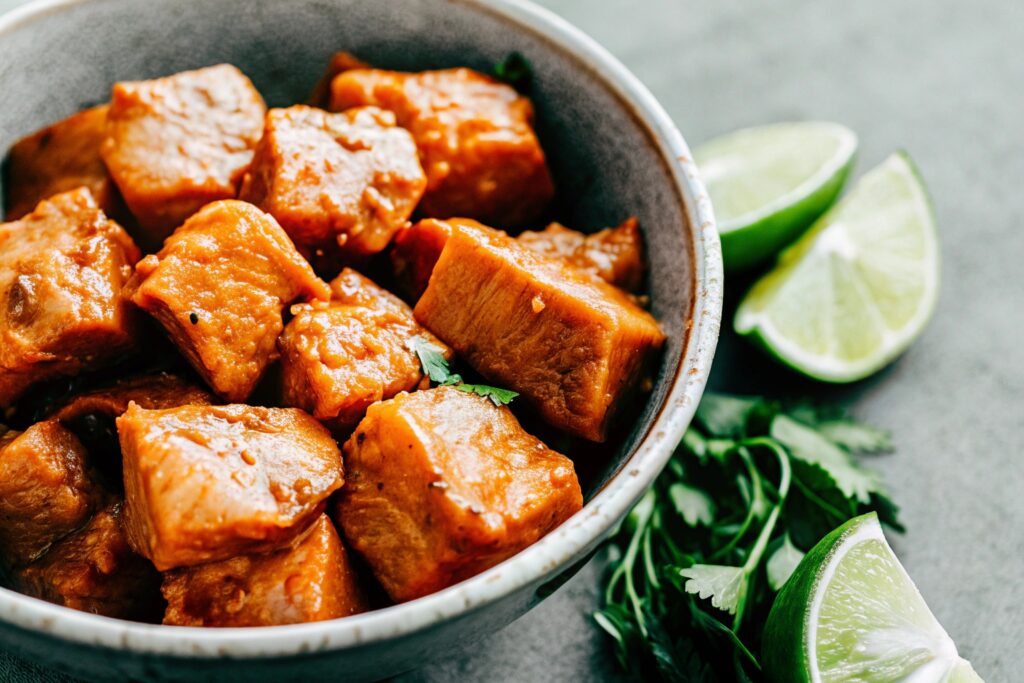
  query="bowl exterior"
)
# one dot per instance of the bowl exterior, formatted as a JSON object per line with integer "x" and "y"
{"x": 614, "y": 153}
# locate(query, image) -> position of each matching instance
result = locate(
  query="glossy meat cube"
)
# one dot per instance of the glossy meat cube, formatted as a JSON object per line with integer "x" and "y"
{"x": 571, "y": 344}
{"x": 340, "y": 61}
{"x": 61, "y": 157}
{"x": 206, "y": 483}
{"x": 219, "y": 286}
{"x": 177, "y": 143}
{"x": 338, "y": 358}
{"x": 159, "y": 390}
{"x": 311, "y": 580}
{"x": 94, "y": 570}
{"x": 475, "y": 138}
{"x": 336, "y": 181}
{"x": 61, "y": 310}
{"x": 614, "y": 254}
{"x": 442, "y": 484}
{"x": 45, "y": 490}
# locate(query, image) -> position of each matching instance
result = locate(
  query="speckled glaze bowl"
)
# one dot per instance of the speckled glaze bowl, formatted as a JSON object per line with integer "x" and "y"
{"x": 614, "y": 153}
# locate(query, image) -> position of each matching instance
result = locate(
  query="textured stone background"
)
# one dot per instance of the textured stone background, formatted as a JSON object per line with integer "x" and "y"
{"x": 943, "y": 79}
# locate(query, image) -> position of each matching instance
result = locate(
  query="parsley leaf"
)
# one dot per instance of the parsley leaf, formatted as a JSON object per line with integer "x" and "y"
{"x": 435, "y": 366}
{"x": 692, "y": 504}
{"x": 855, "y": 437}
{"x": 695, "y": 566}
{"x": 515, "y": 70}
{"x": 499, "y": 397}
{"x": 806, "y": 444}
{"x": 781, "y": 564}
{"x": 724, "y": 585}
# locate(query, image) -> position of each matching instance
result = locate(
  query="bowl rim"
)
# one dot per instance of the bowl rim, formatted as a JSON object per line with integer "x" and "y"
{"x": 553, "y": 553}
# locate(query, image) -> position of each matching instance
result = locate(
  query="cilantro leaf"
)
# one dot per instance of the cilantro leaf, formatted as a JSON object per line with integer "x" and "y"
{"x": 499, "y": 397}
{"x": 806, "y": 444}
{"x": 692, "y": 504}
{"x": 724, "y": 585}
{"x": 515, "y": 70}
{"x": 435, "y": 365}
{"x": 855, "y": 437}
{"x": 724, "y": 416}
{"x": 782, "y": 563}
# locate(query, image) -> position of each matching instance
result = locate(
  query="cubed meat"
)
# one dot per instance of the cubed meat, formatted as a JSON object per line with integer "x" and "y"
{"x": 416, "y": 250}
{"x": 443, "y": 484}
{"x": 45, "y": 490}
{"x": 177, "y": 143}
{"x": 343, "y": 182}
{"x": 311, "y": 580}
{"x": 340, "y": 61}
{"x": 475, "y": 137}
{"x": 153, "y": 392}
{"x": 94, "y": 570}
{"x": 219, "y": 286}
{"x": 61, "y": 157}
{"x": 206, "y": 483}
{"x": 338, "y": 358}
{"x": 614, "y": 254}
{"x": 571, "y": 344}
{"x": 61, "y": 310}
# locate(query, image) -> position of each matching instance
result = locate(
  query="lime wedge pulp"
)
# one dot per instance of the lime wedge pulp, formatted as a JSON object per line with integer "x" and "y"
{"x": 851, "y": 614}
{"x": 855, "y": 291}
{"x": 769, "y": 183}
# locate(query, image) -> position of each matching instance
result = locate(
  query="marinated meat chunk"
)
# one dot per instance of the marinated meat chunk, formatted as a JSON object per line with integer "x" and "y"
{"x": 338, "y": 358}
{"x": 614, "y": 254}
{"x": 311, "y": 580}
{"x": 94, "y": 570}
{"x": 443, "y": 484}
{"x": 59, "y": 158}
{"x": 336, "y": 181}
{"x": 206, "y": 483}
{"x": 416, "y": 250}
{"x": 61, "y": 310}
{"x": 156, "y": 391}
{"x": 572, "y": 345}
{"x": 177, "y": 143}
{"x": 219, "y": 286}
{"x": 475, "y": 138}
{"x": 340, "y": 61}
{"x": 45, "y": 490}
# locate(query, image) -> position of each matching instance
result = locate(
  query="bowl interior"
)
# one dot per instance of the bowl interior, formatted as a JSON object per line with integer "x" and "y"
{"x": 608, "y": 160}
{"x": 604, "y": 164}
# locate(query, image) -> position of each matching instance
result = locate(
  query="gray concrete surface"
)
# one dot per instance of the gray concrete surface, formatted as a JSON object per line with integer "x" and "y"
{"x": 943, "y": 79}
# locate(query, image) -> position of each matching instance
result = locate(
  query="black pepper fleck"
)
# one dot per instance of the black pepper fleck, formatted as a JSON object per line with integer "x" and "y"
{"x": 360, "y": 437}
{"x": 193, "y": 318}
{"x": 380, "y": 486}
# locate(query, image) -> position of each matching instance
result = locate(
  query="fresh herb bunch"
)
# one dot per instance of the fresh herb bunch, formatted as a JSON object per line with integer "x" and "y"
{"x": 699, "y": 560}
{"x": 435, "y": 366}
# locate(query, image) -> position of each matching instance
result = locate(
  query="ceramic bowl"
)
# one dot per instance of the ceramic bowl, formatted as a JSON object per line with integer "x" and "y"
{"x": 614, "y": 153}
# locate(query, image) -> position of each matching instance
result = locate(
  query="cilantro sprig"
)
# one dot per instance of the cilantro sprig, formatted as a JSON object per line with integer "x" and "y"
{"x": 697, "y": 563}
{"x": 435, "y": 366}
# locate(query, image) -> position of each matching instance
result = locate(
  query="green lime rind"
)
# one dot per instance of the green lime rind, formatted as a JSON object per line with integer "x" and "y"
{"x": 850, "y": 612}
{"x": 803, "y": 263}
{"x": 784, "y": 653}
{"x": 755, "y": 244}
{"x": 779, "y": 178}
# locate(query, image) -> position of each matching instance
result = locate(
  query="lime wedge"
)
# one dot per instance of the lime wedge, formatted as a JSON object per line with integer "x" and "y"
{"x": 854, "y": 292}
{"x": 768, "y": 184}
{"x": 851, "y": 614}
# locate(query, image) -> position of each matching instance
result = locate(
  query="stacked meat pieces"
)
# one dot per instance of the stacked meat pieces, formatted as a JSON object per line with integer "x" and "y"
{"x": 285, "y": 458}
